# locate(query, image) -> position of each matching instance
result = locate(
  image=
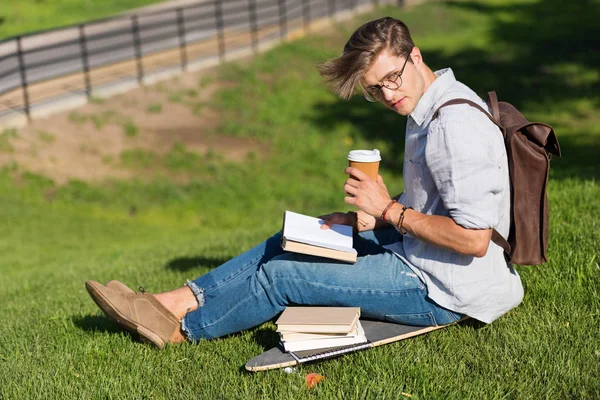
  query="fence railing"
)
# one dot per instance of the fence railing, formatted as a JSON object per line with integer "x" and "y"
{"x": 43, "y": 66}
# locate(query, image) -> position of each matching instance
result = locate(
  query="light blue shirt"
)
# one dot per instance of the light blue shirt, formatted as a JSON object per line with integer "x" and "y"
{"x": 456, "y": 166}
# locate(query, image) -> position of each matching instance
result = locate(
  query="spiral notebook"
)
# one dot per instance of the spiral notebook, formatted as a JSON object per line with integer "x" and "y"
{"x": 312, "y": 355}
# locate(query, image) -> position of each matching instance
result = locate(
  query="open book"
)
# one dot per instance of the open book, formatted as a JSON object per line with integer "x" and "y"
{"x": 303, "y": 234}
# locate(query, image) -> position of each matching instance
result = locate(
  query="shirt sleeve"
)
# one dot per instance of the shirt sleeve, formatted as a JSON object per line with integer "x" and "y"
{"x": 466, "y": 158}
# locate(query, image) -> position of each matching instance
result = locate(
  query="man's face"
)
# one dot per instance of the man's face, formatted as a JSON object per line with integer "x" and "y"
{"x": 404, "y": 99}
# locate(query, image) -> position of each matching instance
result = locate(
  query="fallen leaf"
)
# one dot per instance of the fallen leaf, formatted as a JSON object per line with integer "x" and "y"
{"x": 406, "y": 394}
{"x": 313, "y": 379}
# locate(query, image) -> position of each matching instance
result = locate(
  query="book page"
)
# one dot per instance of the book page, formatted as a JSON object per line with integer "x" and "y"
{"x": 305, "y": 229}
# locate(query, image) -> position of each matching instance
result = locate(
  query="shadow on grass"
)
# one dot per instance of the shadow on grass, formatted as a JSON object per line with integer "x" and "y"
{"x": 580, "y": 158}
{"x": 184, "y": 264}
{"x": 95, "y": 323}
{"x": 265, "y": 337}
{"x": 542, "y": 59}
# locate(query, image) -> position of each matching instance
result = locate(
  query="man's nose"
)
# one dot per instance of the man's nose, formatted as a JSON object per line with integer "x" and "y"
{"x": 388, "y": 94}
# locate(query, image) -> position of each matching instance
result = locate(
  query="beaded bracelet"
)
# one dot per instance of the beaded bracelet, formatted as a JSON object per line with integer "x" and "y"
{"x": 386, "y": 209}
{"x": 401, "y": 220}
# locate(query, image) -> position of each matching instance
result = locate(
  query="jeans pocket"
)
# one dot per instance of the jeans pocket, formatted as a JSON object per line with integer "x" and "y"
{"x": 450, "y": 317}
{"x": 415, "y": 319}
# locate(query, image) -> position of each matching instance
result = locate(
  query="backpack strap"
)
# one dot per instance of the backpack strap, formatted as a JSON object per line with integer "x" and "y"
{"x": 500, "y": 241}
{"x": 472, "y": 104}
{"x": 492, "y": 100}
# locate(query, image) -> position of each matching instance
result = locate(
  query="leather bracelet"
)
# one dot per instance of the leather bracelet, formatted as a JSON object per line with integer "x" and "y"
{"x": 401, "y": 220}
{"x": 386, "y": 209}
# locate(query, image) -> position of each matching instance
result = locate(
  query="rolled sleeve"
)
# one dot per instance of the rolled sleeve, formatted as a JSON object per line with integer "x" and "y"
{"x": 465, "y": 163}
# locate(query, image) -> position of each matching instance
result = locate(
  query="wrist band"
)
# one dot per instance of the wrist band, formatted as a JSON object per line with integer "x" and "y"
{"x": 401, "y": 220}
{"x": 385, "y": 210}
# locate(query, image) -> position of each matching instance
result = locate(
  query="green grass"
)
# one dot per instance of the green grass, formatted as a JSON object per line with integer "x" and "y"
{"x": 78, "y": 117}
{"x": 5, "y": 140}
{"x": 46, "y": 137}
{"x": 138, "y": 158}
{"x": 97, "y": 100}
{"x": 154, "y": 108}
{"x": 130, "y": 129}
{"x": 23, "y": 16}
{"x": 54, "y": 343}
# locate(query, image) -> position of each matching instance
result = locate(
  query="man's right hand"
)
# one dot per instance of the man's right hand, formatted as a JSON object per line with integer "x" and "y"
{"x": 359, "y": 221}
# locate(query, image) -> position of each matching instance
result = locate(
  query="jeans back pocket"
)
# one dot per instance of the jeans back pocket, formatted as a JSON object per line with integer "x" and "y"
{"x": 416, "y": 319}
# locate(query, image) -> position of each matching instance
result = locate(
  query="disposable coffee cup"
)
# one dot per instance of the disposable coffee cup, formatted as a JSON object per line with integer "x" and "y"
{"x": 365, "y": 160}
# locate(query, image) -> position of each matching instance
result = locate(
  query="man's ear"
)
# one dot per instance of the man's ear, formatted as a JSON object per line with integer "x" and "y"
{"x": 417, "y": 58}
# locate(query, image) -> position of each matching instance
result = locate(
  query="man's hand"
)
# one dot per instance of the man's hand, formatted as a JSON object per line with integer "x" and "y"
{"x": 339, "y": 218}
{"x": 359, "y": 221}
{"x": 363, "y": 192}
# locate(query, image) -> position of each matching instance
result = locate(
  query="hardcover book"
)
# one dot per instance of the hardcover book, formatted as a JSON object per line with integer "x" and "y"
{"x": 341, "y": 320}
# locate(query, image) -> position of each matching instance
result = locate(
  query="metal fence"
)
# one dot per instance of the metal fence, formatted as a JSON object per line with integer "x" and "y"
{"x": 43, "y": 66}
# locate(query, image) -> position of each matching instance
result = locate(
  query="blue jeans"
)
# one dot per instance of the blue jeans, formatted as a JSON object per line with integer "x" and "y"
{"x": 257, "y": 285}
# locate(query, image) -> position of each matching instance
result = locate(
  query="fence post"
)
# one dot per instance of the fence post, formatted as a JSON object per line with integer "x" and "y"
{"x": 253, "y": 26}
{"x": 306, "y": 15}
{"x": 220, "y": 33}
{"x": 334, "y": 6}
{"x": 137, "y": 46}
{"x": 182, "y": 42}
{"x": 85, "y": 61}
{"x": 23, "y": 72}
{"x": 282, "y": 19}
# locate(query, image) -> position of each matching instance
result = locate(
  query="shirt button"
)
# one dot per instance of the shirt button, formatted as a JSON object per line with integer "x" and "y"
{"x": 410, "y": 125}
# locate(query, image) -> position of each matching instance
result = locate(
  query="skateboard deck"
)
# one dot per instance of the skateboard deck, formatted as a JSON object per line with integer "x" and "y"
{"x": 377, "y": 333}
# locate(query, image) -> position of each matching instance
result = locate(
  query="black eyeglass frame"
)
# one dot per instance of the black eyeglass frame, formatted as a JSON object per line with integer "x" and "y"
{"x": 391, "y": 84}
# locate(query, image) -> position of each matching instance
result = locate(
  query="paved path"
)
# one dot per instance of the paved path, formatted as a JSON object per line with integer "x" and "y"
{"x": 165, "y": 5}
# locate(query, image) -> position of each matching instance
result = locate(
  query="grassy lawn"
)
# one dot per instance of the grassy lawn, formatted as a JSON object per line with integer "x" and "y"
{"x": 23, "y": 16}
{"x": 54, "y": 342}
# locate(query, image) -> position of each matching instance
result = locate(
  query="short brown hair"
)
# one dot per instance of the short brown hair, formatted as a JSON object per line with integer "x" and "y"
{"x": 366, "y": 43}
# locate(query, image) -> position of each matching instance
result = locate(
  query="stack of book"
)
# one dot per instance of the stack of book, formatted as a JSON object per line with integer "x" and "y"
{"x": 312, "y": 328}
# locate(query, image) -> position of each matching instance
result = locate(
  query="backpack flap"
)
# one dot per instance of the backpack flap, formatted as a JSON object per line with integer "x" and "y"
{"x": 513, "y": 121}
{"x": 543, "y": 135}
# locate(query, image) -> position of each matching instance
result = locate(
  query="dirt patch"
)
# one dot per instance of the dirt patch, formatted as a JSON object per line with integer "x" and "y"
{"x": 88, "y": 143}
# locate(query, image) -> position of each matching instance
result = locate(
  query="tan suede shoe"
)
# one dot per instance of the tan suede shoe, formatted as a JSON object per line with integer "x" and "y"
{"x": 140, "y": 313}
{"x": 119, "y": 287}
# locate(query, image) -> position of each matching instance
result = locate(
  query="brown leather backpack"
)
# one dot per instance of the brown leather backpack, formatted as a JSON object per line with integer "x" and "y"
{"x": 529, "y": 147}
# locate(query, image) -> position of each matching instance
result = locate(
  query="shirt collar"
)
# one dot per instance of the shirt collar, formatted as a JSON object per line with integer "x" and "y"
{"x": 424, "y": 109}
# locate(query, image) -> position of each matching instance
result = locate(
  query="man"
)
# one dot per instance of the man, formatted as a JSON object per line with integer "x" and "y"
{"x": 425, "y": 257}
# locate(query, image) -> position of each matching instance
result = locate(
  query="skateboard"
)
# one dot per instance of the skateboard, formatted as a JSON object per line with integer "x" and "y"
{"x": 377, "y": 333}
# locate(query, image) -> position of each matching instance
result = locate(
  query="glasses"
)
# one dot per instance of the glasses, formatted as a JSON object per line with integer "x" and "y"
{"x": 393, "y": 82}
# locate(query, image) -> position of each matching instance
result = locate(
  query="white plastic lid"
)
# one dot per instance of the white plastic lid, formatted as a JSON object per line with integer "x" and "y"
{"x": 364, "y": 155}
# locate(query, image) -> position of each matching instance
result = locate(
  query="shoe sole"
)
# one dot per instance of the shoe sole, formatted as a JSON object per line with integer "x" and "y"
{"x": 111, "y": 312}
